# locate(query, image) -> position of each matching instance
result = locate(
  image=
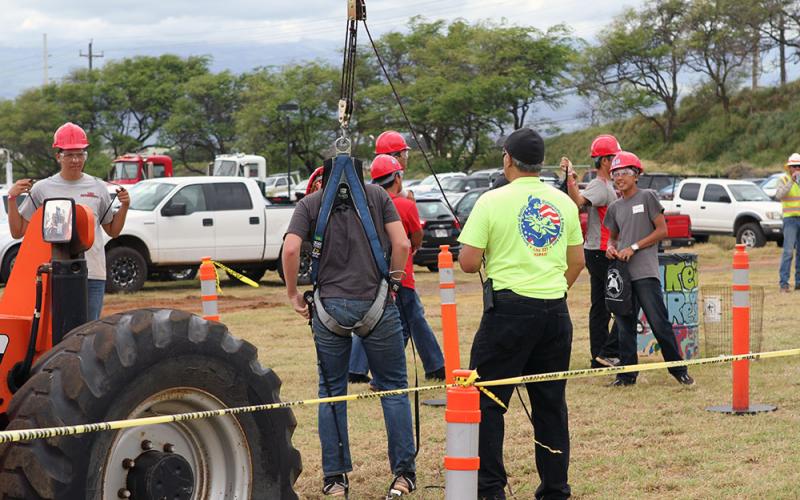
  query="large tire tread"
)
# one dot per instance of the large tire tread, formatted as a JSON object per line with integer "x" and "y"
{"x": 85, "y": 371}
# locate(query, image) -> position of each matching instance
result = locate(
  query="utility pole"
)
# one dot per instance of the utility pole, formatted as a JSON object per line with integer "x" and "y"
{"x": 91, "y": 55}
{"x": 44, "y": 56}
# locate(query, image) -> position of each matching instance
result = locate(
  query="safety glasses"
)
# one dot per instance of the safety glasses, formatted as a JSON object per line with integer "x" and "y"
{"x": 622, "y": 172}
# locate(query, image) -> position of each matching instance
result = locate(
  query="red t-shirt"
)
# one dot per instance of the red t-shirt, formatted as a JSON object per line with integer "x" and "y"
{"x": 409, "y": 216}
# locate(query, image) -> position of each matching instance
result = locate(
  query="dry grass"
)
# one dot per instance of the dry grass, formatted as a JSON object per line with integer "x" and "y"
{"x": 654, "y": 440}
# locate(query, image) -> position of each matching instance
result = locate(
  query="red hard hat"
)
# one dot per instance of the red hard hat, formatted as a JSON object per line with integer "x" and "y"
{"x": 626, "y": 159}
{"x": 315, "y": 175}
{"x": 382, "y": 166}
{"x": 70, "y": 136}
{"x": 604, "y": 145}
{"x": 390, "y": 142}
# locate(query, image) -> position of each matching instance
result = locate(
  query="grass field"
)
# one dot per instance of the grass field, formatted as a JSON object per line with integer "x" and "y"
{"x": 653, "y": 440}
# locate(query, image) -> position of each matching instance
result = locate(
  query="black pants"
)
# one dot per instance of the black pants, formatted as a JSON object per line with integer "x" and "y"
{"x": 601, "y": 343}
{"x": 648, "y": 295}
{"x": 523, "y": 336}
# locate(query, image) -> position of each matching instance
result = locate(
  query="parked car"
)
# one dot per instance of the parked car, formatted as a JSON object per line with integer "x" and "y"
{"x": 429, "y": 184}
{"x": 770, "y": 184}
{"x": 465, "y": 205}
{"x": 486, "y": 172}
{"x": 456, "y": 187}
{"x": 173, "y": 222}
{"x": 9, "y": 246}
{"x": 407, "y": 183}
{"x": 658, "y": 181}
{"x": 439, "y": 227}
{"x": 726, "y": 206}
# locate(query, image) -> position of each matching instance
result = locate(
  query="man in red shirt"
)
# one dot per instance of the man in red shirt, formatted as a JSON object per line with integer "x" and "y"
{"x": 387, "y": 172}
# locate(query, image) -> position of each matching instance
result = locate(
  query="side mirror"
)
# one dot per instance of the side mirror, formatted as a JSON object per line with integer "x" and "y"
{"x": 174, "y": 209}
{"x": 57, "y": 222}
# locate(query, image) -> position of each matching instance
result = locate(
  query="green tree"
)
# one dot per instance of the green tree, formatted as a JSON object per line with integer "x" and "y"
{"x": 136, "y": 97}
{"x": 202, "y": 124}
{"x": 636, "y": 64}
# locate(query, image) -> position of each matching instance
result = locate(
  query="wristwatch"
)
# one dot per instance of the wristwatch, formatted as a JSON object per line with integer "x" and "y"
{"x": 635, "y": 247}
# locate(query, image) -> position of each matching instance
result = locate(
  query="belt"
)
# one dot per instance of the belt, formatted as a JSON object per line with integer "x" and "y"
{"x": 510, "y": 295}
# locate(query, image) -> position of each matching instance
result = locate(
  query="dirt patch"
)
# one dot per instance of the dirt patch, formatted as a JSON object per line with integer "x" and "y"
{"x": 191, "y": 303}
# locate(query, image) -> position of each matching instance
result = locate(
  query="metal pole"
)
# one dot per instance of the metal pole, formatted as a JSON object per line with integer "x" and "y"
{"x": 288, "y": 162}
{"x": 44, "y": 56}
{"x": 9, "y": 167}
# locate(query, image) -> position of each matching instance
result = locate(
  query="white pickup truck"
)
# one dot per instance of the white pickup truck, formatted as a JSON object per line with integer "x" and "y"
{"x": 174, "y": 222}
{"x": 730, "y": 207}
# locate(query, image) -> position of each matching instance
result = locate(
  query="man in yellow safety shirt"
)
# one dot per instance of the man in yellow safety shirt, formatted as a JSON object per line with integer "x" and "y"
{"x": 789, "y": 195}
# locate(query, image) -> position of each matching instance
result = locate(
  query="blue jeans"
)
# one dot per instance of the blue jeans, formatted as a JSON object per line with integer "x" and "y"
{"x": 648, "y": 295}
{"x": 386, "y": 356}
{"x": 412, "y": 316}
{"x": 791, "y": 228}
{"x": 96, "y": 289}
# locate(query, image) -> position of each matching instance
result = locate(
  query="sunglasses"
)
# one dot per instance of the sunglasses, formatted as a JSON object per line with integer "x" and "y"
{"x": 622, "y": 172}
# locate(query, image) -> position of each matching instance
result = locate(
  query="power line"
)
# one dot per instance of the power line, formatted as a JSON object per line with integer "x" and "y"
{"x": 91, "y": 56}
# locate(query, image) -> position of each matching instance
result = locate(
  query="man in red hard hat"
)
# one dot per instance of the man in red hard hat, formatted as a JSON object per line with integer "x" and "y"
{"x": 70, "y": 142}
{"x": 393, "y": 143}
{"x": 599, "y": 193}
{"x": 636, "y": 222}
{"x": 387, "y": 172}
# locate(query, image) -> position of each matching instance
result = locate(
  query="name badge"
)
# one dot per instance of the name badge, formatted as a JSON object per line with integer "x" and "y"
{"x": 638, "y": 209}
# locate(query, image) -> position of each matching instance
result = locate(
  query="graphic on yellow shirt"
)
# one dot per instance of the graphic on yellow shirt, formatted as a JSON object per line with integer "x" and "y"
{"x": 539, "y": 225}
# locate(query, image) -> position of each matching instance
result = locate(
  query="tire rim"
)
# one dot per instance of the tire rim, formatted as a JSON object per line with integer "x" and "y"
{"x": 216, "y": 448}
{"x": 124, "y": 271}
{"x": 305, "y": 266}
{"x": 749, "y": 238}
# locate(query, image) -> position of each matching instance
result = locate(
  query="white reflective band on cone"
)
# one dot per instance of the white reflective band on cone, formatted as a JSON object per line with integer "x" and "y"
{"x": 446, "y": 275}
{"x": 210, "y": 308}
{"x": 461, "y": 484}
{"x": 462, "y": 440}
{"x": 741, "y": 299}
{"x": 208, "y": 287}
{"x": 741, "y": 276}
{"x": 448, "y": 295}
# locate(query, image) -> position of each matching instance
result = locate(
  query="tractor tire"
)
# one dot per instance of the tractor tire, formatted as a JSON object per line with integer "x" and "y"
{"x": 126, "y": 270}
{"x": 304, "y": 273}
{"x": 143, "y": 363}
{"x": 8, "y": 264}
{"x": 751, "y": 235}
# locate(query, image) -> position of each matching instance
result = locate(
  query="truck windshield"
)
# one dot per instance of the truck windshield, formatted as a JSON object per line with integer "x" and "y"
{"x": 146, "y": 196}
{"x": 748, "y": 192}
{"x": 225, "y": 167}
{"x": 124, "y": 170}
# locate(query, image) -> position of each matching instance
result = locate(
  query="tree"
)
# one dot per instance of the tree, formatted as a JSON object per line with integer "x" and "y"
{"x": 719, "y": 46}
{"x": 136, "y": 97}
{"x": 636, "y": 64}
{"x": 202, "y": 124}
{"x": 261, "y": 128}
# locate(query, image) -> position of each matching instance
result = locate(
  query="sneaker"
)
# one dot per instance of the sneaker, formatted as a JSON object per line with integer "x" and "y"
{"x": 622, "y": 382}
{"x": 436, "y": 375}
{"x": 358, "y": 378}
{"x": 609, "y": 362}
{"x": 403, "y": 484}
{"x": 684, "y": 379}
{"x": 336, "y": 486}
{"x": 785, "y": 289}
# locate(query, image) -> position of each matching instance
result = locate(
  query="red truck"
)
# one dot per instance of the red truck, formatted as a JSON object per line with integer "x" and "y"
{"x": 679, "y": 229}
{"x": 130, "y": 168}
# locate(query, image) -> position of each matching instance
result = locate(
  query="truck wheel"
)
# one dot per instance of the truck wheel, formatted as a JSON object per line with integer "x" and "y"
{"x": 701, "y": 238}
{"x": 126, "y": 270}
{"x": 142, "y": 363}
{"x": 8, "y": 264}
{"x": 304, "y": 273}
{"x": 751, "y": 235}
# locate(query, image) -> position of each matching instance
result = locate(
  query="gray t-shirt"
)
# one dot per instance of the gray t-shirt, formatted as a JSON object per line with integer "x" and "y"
{"x": 632, "y": 219}
{"x": 600, "y": 193}
{"x": 346, "y": 267}
{"x": 87, "y": 190}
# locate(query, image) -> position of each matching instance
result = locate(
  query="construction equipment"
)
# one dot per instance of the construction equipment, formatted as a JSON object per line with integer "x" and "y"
{"x": 56, "y": 369}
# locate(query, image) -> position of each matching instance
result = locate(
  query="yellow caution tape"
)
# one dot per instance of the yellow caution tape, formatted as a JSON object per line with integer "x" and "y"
{"x": 239, "y": 276}
{"x": 44, "y": 433}
{"x": 470, "y": 381}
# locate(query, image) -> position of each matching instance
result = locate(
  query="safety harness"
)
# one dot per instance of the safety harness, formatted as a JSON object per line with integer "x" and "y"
{"x": 343, "y": 189}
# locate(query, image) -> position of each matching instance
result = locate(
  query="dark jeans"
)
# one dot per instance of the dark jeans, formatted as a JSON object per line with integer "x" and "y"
{"x": 601, "y": 343}
{"x": 95, "y": 290}
{"x": 523, "y": 336}
{"x": 648, "y": 295}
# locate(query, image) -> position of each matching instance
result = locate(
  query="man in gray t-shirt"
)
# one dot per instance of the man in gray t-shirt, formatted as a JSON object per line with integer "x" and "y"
{"x": 348, "y": 281}
{"x": 636, "y": 222}
{"x": 71, "y": 182}
{"x": 595, "y": 200}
